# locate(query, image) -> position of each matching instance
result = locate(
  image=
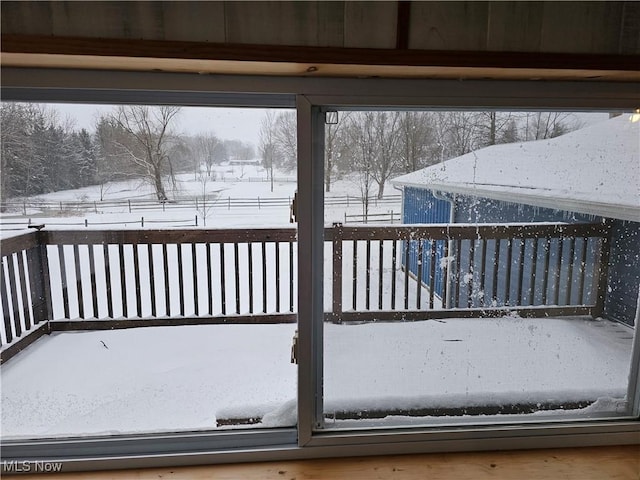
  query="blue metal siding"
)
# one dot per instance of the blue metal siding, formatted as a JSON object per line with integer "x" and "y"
{"x": 562, "y": 288}
{"x": 624, "y": 272}
{"x": 483, "y": 210}
{"x": 421, "y": 206}
{"x": 624, "y": 268}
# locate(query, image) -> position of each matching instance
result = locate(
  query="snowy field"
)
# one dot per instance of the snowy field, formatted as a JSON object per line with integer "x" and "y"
{"x": 230, "y": 182}
{"x": 187, "y": 378}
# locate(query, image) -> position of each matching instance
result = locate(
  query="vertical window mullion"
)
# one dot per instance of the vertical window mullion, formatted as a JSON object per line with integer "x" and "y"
{"x": 310, "y": 217}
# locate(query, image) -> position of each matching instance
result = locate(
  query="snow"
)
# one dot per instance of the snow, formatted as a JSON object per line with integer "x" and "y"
{"x": 186, "y": 378}
{"x": 594, "y": 170}
{"x": 457, "y": 363}
{"x": 145, "y": 379}
{"x": 231, "y": 181}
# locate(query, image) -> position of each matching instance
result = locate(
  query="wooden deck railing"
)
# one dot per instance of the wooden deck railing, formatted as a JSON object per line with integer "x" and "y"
{"x": 24, "y": 292}
{"x": 241, "y": 276}
{"x": 70, "y": 280}
{"x": 468, "y": 270}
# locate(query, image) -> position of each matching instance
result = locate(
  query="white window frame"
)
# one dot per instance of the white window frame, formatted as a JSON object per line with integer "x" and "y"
{"x": 311, "y": 96}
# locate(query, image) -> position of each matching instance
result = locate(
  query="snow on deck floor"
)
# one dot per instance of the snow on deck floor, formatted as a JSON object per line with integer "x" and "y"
{"x": 183, "y": 378}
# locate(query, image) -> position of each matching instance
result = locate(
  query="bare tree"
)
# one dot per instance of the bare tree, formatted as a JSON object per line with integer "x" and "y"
{"x": 417, "y": 148}
{"x": 385, "y": 158}
{"x": 541, "y": 125}
{"x": 150, "y": 143}
{"x": 496, "y": 127}
{"x": 463, "y": 132}
{"x": 362, "y": 136}
{"x": 209, "y": 150}
{"x": 335, "y": 147}
{"x": 110, "y": 165}
{"x": 205, "y": 207}
{"x": 286, "y": 138}
{"x": 269, "y": 143}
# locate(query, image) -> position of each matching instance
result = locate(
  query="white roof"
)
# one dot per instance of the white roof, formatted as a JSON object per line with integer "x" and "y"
{"x": 594, "y": 170}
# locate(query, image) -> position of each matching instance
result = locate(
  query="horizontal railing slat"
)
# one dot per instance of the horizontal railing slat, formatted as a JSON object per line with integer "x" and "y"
{"x": 380, "y": 232}
{"x": 114, "y": 324}
{"x": 19, "y": 243}
{"x": 137, "y": 237}
{"x": 469, "y": 231}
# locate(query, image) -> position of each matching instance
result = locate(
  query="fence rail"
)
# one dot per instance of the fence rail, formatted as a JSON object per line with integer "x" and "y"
{"x": 385, "y": 217}
{"x": 16, "y": 226}
{"x": 93, "y": 279}
{"x": 197, "y": 202}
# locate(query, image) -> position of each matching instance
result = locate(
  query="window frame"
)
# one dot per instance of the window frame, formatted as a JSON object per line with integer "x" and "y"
{"x": 311, "y": 96}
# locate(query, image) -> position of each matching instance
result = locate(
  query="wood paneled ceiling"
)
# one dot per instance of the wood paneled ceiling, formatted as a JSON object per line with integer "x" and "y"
{"x": 463, "y": 40}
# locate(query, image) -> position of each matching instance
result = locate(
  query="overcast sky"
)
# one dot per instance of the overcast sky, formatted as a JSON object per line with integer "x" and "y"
{"x": 227, "y": 123}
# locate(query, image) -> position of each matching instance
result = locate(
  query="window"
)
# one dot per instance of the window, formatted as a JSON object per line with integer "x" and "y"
{"x": 475, "y": 264}
{"x": 324, "y": 418}
{"x": 164, "y": 266}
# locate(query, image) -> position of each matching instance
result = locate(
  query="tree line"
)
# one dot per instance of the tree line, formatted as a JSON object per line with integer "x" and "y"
{"x": 43, "y": 152}
{"x": 371, "y": 147}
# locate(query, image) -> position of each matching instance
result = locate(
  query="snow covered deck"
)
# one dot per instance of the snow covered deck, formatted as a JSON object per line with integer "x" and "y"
{"x": 185, "y": 378}
{"x": 219, "y": 309}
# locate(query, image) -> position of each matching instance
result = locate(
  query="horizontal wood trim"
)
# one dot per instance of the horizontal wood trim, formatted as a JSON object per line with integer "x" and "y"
{"x": 245, "y": 59}
{"x": 72, "y": 325}
{"x": 28, "y": 338}
{"x": 117, "y": 47}
{"x": 228, "y": 67}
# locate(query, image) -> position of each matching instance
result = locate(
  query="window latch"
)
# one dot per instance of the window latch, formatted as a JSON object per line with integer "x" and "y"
{"x": 294, "y": 349}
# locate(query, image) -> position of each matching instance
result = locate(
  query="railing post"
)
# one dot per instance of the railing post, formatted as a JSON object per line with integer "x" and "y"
{"x": 39, "y": 283}
{"x": 337, "y": 273}
{"x": 601, "y": 269}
